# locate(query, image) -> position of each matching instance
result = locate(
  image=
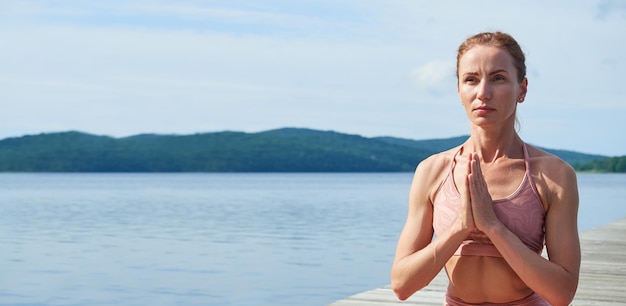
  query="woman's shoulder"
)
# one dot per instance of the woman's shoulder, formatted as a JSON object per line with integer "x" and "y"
{"x": 432, "y": 169}
{"x": 438, "y": 161}
{"x": 431, "y": 172}
{"x": 551, "y": 173}
{"x": 543, "y": 161}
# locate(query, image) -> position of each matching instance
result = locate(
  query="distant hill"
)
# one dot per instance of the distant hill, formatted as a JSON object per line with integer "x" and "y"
{"x": 433, "y": 145}
{"x": 281, "y": 150}
{"x": 613, "y": 164}
{"x": 438, "y": 145}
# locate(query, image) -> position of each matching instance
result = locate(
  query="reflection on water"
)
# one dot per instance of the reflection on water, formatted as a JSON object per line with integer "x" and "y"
{"x": 602, "y": 199}
{"x": 213, "y": 239}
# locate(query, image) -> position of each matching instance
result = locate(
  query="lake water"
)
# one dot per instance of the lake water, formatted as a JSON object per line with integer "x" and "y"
{"x": 214, "y": 239}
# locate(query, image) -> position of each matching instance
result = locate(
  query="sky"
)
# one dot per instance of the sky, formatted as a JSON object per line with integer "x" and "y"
{"x": 372, "y": 68}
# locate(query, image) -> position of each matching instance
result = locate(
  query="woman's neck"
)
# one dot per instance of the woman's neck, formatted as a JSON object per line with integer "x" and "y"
{"x": 494, "y": 144}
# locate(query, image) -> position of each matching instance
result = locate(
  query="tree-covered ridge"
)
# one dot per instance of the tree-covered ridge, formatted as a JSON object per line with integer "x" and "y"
{"x": 612, "y": 164}
{"x": 282, "y": 150}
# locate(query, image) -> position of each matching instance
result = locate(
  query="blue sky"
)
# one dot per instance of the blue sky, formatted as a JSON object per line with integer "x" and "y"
{"x": 373, "y": 68}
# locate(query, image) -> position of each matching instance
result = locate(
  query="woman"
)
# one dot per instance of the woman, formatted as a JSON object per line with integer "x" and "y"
{"x": 492, "y": 202}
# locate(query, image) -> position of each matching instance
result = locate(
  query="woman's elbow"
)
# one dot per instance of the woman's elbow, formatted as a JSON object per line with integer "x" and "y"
{"x": 401, "y": 292}
{"x": 404, "y": 289}
{"x": 564, "y": 299}
{"x": 561, "y": 302}
{"x": 564, "y": 296}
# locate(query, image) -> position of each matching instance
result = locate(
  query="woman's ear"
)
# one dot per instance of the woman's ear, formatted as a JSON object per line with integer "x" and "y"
{"x": 523, "y": 89}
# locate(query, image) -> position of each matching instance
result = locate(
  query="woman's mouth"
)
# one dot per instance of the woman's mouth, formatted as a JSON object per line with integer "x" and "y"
{"x": 482, "y": 110}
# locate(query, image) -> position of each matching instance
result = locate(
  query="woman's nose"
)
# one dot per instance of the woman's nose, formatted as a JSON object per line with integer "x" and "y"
{"x": 483, "y": 90}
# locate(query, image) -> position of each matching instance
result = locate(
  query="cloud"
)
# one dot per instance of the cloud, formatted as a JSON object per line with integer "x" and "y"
{"x": 435, "y": 76}
{"x": 185, "y": 66}
{"x": 608, "y": 7}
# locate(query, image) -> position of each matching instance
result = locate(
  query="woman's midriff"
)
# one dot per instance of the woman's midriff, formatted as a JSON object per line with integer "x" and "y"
{"x": 478, "y": 279}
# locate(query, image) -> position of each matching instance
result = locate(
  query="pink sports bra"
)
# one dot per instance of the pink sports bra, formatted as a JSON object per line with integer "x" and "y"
{"x": 522, "y": 213}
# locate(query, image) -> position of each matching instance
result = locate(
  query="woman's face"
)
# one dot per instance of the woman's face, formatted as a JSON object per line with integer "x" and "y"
{"x": 488, "y": 86}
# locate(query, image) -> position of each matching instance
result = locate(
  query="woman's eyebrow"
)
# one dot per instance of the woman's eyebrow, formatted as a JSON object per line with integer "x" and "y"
{"x": 499, "y": 71}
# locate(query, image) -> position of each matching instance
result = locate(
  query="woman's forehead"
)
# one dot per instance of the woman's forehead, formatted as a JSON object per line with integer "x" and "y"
{"x": 481, "y": 58}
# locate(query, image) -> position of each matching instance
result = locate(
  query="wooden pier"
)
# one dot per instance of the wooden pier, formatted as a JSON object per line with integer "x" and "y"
{"x": 602, "y": 275}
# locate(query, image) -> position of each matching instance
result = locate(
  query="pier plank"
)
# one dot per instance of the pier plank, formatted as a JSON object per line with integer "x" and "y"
{"x": 602, "y": 275}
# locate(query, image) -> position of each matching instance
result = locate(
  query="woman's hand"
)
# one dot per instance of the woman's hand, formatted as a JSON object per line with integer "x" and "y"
{"x": 465, "y": 218}
{"x": 481, "y": 203}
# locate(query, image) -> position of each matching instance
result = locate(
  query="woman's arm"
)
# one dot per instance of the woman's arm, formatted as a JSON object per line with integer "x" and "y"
{"x": 418, "y": 258}
{"x": 555, "y": 279}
